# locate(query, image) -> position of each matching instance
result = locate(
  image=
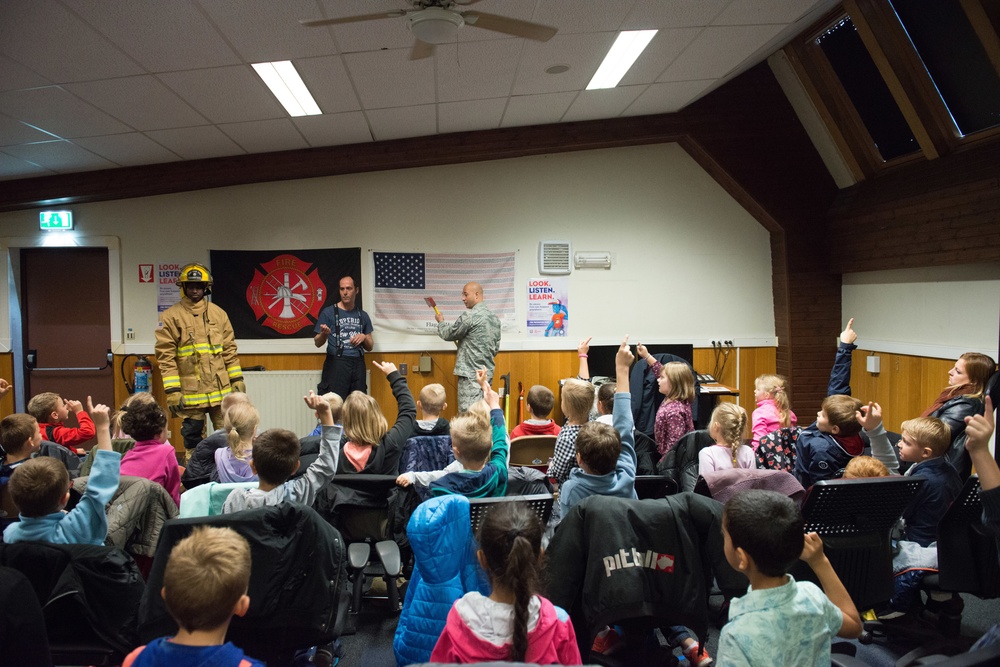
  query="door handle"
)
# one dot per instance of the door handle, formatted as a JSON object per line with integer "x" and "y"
{"x": 31, "y": 361}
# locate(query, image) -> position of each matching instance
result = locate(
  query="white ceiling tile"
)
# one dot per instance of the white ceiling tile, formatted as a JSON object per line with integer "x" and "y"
{"x": 265, "y": 136}
{"x": 470, "y": 115}
{"x": 56, "y": 111}
{"x": 390, "y": 79}
{"x": 515, "y": 9}
{"x": 607, "y": 103}
{"x": 334, "y": 129}
{"x": 648, "y": 14}
{"x": 56, "y": 44}
{"x": 128, "y": 150}
{"x": 14, "y": 76}
{"x": 264, "y": 30}
{"x": 583, "y": 54}
{"x": 142, "y": 102}
{"x": 13, "y": 132}
{"x": 195, "y": 143}
{"x": 476, "y": 70}
{"x": 574, "y": 16}
{"x": 667, "y": 97}
{"x": 161, "y": 36}
{"x": 537, "y": 109}
{"x": 226, "y": 94}
{"x": 327, "y": 80}
{"x": 718, "y": 50}
{"x": 748, "y": 12}
{"x": 387, "y": 33}
{"x": 12, "y": 167}
{"x": 401, "y": 123}
{"x": 59, "y": 156}
{"x": 661, "y": 52}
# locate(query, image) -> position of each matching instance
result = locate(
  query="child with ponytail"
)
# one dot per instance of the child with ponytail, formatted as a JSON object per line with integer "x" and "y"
{"x": 514, "y": 623}
{"x": 773, "y": 408}
{"x": 233, "y": 462}
{"x": 727, "y": 428}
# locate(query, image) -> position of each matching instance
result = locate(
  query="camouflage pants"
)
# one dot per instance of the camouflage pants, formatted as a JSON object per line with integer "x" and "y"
{"x": 469, "y": 392}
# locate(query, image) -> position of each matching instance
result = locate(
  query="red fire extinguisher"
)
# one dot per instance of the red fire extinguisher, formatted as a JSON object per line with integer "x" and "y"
{"x": 142, "y": 375}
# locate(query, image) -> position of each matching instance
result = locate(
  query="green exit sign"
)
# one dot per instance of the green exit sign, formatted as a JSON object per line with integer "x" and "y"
{"x": 49, "y": 220}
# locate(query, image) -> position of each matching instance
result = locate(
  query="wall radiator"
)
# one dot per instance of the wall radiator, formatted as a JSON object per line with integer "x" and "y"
{"x": 277, "y": 395}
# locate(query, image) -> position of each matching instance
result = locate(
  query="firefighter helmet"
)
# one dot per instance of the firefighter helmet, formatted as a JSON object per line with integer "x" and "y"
{"x": 195, "y": 273}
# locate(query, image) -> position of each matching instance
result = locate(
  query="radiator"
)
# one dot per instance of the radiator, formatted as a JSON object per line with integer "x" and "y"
{"x": 277, "y": 395}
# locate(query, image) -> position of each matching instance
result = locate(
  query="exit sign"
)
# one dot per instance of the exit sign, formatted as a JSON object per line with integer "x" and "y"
{"x": 49, "y": 220}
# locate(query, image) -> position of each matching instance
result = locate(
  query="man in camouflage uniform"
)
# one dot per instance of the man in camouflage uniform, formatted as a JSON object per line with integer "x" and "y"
{"x": 477, "y": 334}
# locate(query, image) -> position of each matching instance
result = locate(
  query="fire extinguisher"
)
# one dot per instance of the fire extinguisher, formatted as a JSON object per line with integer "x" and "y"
{"x": 142, "y": 374}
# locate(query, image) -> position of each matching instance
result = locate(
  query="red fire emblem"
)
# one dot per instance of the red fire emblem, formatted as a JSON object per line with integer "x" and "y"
{"x": 287, "y": 294}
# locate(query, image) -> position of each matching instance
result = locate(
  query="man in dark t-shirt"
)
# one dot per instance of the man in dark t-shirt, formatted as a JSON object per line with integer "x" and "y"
{"x": 346, "y": 330}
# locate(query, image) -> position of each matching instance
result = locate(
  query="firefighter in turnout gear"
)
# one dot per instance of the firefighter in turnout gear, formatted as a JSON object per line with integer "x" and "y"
{"x": 196, "y": 352}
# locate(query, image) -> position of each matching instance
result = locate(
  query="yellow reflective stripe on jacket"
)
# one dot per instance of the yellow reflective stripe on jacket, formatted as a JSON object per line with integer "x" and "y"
{"x": 195, "y": 399}
{"x": 235, "y": 371}
{"x": 200, "y": 348}
{"x": 170, "y": 381}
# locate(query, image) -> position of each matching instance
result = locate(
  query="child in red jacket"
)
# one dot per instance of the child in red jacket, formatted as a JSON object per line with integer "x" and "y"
{"x": 51, "y": 410}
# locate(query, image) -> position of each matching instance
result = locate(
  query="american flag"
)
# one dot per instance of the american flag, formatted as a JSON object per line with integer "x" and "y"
{"x": 403, "y": 279}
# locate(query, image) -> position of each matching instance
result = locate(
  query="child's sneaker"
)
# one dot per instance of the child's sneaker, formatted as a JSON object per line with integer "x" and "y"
{"x": 691, "y": 653}
{"x": 606, "y": 642}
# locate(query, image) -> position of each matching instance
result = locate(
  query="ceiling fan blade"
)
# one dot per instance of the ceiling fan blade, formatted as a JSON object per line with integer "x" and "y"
{"x": 421, "y": 50}
{"x": 509, "y": 26}
{"x": 313, "y": 23}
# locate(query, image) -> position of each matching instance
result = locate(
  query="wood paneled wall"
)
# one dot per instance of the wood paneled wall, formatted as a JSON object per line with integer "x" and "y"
{"x": 904, "y": 387}
{"x": 7, "y": 373}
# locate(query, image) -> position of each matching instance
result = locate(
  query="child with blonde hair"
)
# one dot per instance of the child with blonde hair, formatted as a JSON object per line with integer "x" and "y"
{"x": 430, "y": 404}
{"x": 372, "y": 447}
{"x": 728, "y": 428}
{"x": 576, "y": 402}
{"x": 233, "y": 462}
{"x": 773, "y": 407}
{"x": 336, "y": 407}
{"x": 673, "y": 417}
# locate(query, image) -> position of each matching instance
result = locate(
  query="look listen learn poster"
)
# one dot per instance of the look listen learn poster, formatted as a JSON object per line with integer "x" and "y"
{"x": 548, "y": 307}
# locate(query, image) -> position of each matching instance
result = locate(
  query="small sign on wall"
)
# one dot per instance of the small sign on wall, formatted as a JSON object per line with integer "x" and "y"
{"x": 145, "y": 273}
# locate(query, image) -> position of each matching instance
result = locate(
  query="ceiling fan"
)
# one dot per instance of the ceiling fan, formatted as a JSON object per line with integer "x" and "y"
{"x": 438, "y": 21}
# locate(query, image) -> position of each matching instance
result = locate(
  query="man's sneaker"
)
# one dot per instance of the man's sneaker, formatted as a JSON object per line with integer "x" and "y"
{"x": 606, "y": 642}
{"x": 697, "y": 656}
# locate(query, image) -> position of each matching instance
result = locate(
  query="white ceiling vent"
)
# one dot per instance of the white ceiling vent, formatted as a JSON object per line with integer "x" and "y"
{"x": 554, "y": 258}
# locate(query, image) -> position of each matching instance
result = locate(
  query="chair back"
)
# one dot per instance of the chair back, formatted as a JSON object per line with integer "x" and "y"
{"x": 967, "y": 550}
{"x": 532, "y": 451}
{"x": 776, "y": 450}
{"x": 855, "y": 518}
{"x": 654, "y": 486}
{"x": 425, "y": 453}
{"x": 298, "y": 582}
{"x": 539, "y": 503}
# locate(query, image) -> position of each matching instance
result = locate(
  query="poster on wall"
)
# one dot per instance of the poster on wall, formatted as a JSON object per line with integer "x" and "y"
{"x": 279, "y": 293}
{"x": 167, "y": 292}
{"x": 548, "y": 307}
{"x": 405, "y": 280}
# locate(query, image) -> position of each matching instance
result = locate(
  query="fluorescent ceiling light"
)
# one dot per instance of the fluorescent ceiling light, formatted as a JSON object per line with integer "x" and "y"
{"x": 623, "y": 54}
{"x": 286, "y": 84}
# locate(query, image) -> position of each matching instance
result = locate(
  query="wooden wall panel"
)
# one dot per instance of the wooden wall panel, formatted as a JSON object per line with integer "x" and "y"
{"x": 7, "y": 373}
{"x": 905, "y": 387}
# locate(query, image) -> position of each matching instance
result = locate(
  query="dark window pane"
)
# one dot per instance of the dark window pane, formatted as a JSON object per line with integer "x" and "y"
{"x": 864, "y": 85}
{"x": 956, "y": 60}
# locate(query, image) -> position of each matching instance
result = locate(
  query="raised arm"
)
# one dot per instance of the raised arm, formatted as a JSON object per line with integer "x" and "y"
{"x": 978, "y": 429}
{"x": 812, "y": 554}
{"x": 582, "y": 351}
{"x": 840, "y": 374}
{"x": 870, "y": 418}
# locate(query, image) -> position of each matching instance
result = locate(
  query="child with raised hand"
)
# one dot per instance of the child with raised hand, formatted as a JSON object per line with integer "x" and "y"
{"x": 40, "y": 489}
{"x": 673, "y": 417}
{"x": 514, "y": 623}
{"x": 233, "y": 462}
{"x": 773, "y": 408}
{"x": 727, "y": 427}
{"x": 780, "y": 621}
{"x": 372, "y": 447}
{"x": 152, "y": 457}
{"x": 51, "y": 410}
{"x": 276, "y": 458}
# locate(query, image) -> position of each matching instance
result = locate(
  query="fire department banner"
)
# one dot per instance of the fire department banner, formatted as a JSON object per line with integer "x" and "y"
{"x": 280, "y": 293}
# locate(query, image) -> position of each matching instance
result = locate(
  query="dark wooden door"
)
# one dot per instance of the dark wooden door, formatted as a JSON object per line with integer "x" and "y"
{"x": 65, "y": 297}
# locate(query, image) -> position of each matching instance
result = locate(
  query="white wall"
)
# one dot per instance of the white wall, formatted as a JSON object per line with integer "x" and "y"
{"x": 934, "y": 312}
{"x": 690, "y": 264}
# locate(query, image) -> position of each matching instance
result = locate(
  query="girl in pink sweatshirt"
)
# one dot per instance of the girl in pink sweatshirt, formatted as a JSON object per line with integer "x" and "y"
{"x": 773, "y": 408}
{"x": 152, "y": 457}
